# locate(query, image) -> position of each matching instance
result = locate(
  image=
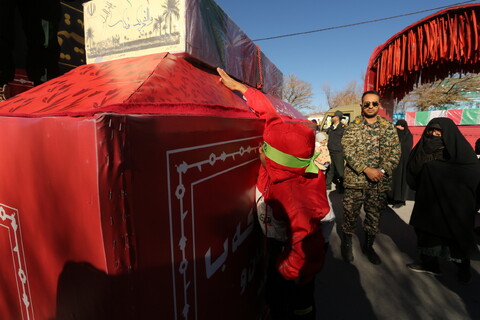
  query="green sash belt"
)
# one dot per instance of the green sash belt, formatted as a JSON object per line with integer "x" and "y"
{"x": 290, "y": 161}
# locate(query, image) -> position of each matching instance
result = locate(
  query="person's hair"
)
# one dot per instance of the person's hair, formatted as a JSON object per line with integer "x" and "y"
{"x": 372, "y": 92}
{"x": 477, "y": 146}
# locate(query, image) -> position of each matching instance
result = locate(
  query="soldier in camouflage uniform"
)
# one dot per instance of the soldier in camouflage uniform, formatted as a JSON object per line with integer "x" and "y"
{"x": 372, "y": 151}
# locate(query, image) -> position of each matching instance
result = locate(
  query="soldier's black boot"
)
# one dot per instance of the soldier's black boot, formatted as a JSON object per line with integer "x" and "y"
{"x": 346, "y": 247}
{"x": 369, "y": 251}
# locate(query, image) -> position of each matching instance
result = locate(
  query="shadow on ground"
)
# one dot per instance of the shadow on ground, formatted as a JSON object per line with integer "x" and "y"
{"x": 391, "y": 291}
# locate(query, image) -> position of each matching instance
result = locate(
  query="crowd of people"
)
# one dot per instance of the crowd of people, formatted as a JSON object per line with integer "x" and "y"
{"x": 372, "y": 163}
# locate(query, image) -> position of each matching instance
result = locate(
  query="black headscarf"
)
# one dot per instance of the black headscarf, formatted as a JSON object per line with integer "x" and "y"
{"x": 452, "y": 147}
{"x": 400, "y": 191}
{"x": 405, "y": 133}
{"x": 446, "y": 174}
{"x": 458, "y": 148}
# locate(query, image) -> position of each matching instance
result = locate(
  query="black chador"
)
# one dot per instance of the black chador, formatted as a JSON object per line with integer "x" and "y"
{"x": 445, "y": 173}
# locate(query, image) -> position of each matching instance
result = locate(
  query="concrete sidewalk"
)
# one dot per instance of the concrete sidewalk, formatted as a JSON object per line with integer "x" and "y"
{"x": 390, "y": 290}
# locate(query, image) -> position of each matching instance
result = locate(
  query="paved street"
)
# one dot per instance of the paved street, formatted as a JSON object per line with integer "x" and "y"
{"x": 391, "y": 291}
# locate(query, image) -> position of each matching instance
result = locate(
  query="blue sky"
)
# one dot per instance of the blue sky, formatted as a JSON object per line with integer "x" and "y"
{"x": 335, "y": 57}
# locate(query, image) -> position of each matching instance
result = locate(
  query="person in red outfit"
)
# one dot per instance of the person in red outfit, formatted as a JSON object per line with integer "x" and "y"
{"x": 296, "y": 201}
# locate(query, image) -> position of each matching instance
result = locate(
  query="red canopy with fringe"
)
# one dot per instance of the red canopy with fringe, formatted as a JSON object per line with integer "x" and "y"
{"x": 435, "y": 47}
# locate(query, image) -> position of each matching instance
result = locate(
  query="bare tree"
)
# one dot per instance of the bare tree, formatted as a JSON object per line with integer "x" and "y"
{"x": 328, "y": 94}
{"x": 298, "y": 93}
{"x": 351, "y": 94}
{"x": 441, "y": 93}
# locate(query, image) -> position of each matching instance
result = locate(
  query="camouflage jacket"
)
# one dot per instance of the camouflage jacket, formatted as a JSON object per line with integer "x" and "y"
{"x": 373, "y": 145}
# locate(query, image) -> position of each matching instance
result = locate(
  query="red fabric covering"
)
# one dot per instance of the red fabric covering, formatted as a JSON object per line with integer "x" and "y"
{"x": 440, "y": 45}
{"x": 154, "y": 84}
{"x": 296, "y": 198}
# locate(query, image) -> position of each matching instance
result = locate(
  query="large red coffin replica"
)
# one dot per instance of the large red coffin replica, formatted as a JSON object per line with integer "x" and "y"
{"x": 127, "y": 192}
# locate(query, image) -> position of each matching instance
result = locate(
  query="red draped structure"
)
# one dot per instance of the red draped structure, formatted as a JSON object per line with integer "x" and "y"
{"x": 128, "y": 192}
{"x": 435, "y": 47}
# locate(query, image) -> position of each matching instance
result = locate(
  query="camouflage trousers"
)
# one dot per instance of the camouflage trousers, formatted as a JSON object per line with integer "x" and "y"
{"x": 374, "y": 203}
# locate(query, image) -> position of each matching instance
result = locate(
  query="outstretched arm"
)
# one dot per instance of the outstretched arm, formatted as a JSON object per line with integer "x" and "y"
{"x": 255, "y": 99}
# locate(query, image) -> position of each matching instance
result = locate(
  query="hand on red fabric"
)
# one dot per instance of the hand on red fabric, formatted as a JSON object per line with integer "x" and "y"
{"x": 230, "y": 83}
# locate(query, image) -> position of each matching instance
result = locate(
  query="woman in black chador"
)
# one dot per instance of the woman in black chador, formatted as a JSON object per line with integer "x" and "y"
{"x": 400, "y": 189}
{"x": 445, "y": 172}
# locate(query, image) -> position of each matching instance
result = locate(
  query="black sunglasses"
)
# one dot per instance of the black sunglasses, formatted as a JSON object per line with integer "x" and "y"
{"x": 366, "y": 104}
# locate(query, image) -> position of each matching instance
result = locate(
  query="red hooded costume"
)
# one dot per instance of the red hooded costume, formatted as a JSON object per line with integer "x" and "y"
{"x": 295, "y": 197}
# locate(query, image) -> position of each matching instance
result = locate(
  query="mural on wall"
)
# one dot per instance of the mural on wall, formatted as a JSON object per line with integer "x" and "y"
{"x": 114, "y": 28}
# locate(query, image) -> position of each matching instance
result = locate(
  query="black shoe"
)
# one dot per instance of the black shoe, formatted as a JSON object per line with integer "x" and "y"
{"x": 369, "y": 251}
{"x": 398, "y": 204}
{"x": 418, "y": 267}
